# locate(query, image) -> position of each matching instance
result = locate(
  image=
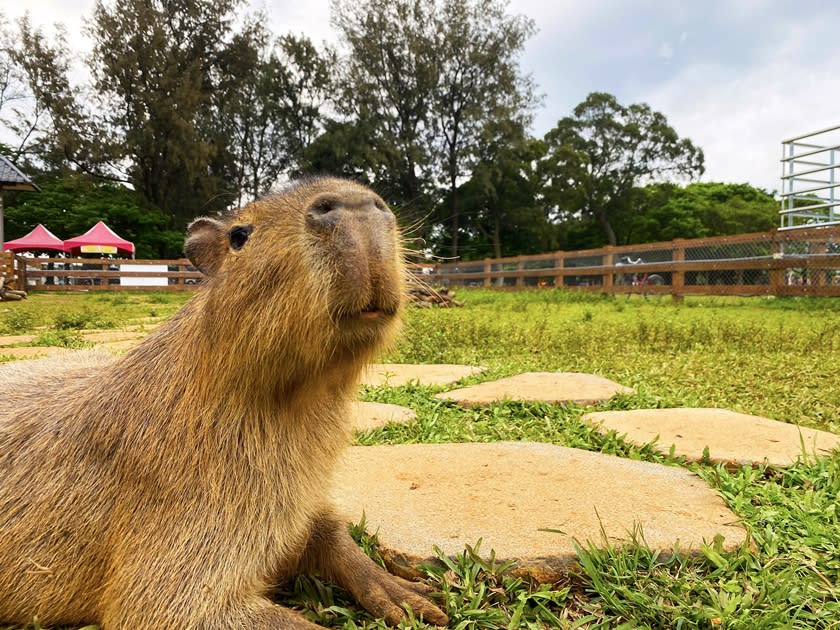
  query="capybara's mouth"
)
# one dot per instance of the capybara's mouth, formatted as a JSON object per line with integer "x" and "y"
{"x": 371, "y": 312}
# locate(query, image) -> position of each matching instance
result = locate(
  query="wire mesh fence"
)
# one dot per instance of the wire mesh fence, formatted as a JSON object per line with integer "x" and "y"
{"x": 800, "y": 262}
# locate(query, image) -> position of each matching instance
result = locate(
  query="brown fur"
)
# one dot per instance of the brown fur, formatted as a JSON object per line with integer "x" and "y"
{"x": 175, "y": 486}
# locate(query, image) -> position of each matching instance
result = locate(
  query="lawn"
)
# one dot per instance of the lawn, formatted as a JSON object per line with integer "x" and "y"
{"x": 773, "y": 357}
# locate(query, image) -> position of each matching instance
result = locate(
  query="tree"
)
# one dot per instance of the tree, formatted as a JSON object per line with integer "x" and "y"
{"x": 386, "y": 85}
{"x": 600, "y": 154}
{"x": 270, "y": 99}
{"x": 38, "y": 106}
{"x": 155, "y": 64}
{"x": 479, "y": 85}
{"x": 499, "y": 203}
{"x": 666, "y": 211}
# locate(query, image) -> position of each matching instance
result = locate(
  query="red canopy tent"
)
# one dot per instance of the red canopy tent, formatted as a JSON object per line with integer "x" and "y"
{"x": 100, "y": 239}
{"x": 39, "y": 239}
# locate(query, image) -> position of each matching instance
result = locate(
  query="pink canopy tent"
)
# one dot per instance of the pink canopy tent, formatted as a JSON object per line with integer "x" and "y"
{"x": 100, "y": 239}
{"x": 39, "y": 239}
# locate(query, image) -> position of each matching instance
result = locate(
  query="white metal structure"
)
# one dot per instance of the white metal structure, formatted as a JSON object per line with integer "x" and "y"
{"x": 811, "y": 179}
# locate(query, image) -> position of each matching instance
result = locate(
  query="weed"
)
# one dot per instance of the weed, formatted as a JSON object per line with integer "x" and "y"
{"x": 18, "y": 320}
{"x": 61, "y": 339}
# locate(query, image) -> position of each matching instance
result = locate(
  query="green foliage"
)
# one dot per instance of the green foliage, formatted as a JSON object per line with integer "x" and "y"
{"x": 665, "y": 212}
{"x": 498, "y": 205}
{"x": 420, "y": 113}
{"x": 17, "y": 321}
{"x": 597, "y": 156}
{"x": 62, "y": 339}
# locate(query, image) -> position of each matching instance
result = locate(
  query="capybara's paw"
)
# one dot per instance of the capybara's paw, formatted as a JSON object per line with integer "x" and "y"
{"x": 388, "y": 595}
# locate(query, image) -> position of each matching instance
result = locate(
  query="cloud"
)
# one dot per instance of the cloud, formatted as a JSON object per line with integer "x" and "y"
{"x": 666, "y": 51}
{"x": 741, "y": 118}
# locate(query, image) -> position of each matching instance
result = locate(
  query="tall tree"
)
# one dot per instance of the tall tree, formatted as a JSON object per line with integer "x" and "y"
{"x": 387, "y": 85}
{"x": 270, "y": 99}
{"x": 600, "y": 154}
{"x": 479, "y": 85}
{"x": 499, "y": 203}
{"x": 154, "y": 66}
{"x": 38, "y": 106}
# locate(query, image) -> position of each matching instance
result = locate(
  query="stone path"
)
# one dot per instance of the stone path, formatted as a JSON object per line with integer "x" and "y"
{"x": 732, "y": 438}
{"x": 371, "y": 415}
{"x": 30, "y": 352}
{"x": 527, "y": 501}
{"x": 399, "y": 374}
{"x": 550, "y": 387}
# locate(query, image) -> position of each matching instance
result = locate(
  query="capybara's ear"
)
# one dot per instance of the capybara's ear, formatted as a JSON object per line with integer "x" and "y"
{"x": 205, "y": 244}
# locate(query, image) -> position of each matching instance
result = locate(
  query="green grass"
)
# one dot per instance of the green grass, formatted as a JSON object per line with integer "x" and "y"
{"x": 773, "y": 357}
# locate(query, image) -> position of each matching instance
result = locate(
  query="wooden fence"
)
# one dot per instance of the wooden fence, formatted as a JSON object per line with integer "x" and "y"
{"x": 101, "y": 274}
{"x": 779, "y": 262}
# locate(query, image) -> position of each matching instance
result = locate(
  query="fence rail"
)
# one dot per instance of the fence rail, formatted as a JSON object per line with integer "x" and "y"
{"x": 783, "y": 263}
{"x": 86, "y": 274}
{"x": 779, "y": 262}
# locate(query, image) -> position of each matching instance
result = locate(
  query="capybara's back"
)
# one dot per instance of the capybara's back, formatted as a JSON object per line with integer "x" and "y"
{"x": 175, "y": 485}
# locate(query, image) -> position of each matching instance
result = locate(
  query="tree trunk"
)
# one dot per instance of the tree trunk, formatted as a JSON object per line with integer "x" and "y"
{"x": 453, "y": 209}
{"x": 608, "y": 229}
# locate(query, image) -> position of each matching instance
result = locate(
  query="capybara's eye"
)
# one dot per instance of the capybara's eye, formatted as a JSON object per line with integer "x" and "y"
{"x": 238, "y": 236}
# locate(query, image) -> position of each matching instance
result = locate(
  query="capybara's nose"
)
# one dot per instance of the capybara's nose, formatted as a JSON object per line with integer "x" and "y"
{"x": 327, "y": 210}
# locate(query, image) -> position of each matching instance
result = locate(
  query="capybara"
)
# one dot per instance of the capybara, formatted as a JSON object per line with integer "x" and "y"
{"x": 175, "y": 486}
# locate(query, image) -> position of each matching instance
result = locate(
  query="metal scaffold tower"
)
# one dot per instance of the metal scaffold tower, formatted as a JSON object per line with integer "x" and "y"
{"x": 811, "y": 180}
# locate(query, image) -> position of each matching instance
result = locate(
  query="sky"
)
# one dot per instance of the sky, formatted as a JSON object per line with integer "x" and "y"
{"x": 737, "y": 77}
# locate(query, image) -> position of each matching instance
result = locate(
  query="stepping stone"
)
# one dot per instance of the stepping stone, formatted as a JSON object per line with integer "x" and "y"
{"x": 550, "y": 387}
{"x": 8, "y": 340}
{"x": 732, "y": 438}
{"x": 526, "y": 501}
{"x": 399, "y": 374}
{"x": 371, "y": 415}
{"x": 32, "y": 352}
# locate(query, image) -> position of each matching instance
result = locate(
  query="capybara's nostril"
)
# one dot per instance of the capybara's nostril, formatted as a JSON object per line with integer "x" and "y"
{"x": 326, "y": 210}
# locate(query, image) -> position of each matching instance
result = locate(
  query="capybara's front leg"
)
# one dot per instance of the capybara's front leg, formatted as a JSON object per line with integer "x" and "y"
{"x": 332, "y": 553}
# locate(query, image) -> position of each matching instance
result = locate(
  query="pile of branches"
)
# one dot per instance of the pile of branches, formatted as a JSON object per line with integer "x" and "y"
{"x": 425, "y": 296}
{"x": 8, "y": 294}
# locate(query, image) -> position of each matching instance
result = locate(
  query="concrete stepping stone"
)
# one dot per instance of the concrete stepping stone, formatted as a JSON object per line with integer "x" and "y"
{"x": 24, "y": 352}
{"x": 8, "y": 340}
{"x": 550, "y": 387}
{"x": 371, "y": 415}
{"x": 399, "y": 374}
{"x": 732, "y": 438}
{"x": 525, "y": 500}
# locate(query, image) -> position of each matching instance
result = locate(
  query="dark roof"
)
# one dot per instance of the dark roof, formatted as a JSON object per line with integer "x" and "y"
{"x": 12, "y": 179}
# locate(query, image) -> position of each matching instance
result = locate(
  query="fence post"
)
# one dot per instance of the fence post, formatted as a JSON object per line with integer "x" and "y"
{"x": 777, "y": 273}
{"x": 609, "y": 264}
{"x": 559, "y": 264}
{"x": 678, "y": 275}
{"x": 488, "y": 269}
{"x": 520, "y": 280}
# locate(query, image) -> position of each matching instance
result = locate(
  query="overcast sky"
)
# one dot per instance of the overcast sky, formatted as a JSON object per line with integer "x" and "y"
{"x": 736, "y": 77}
